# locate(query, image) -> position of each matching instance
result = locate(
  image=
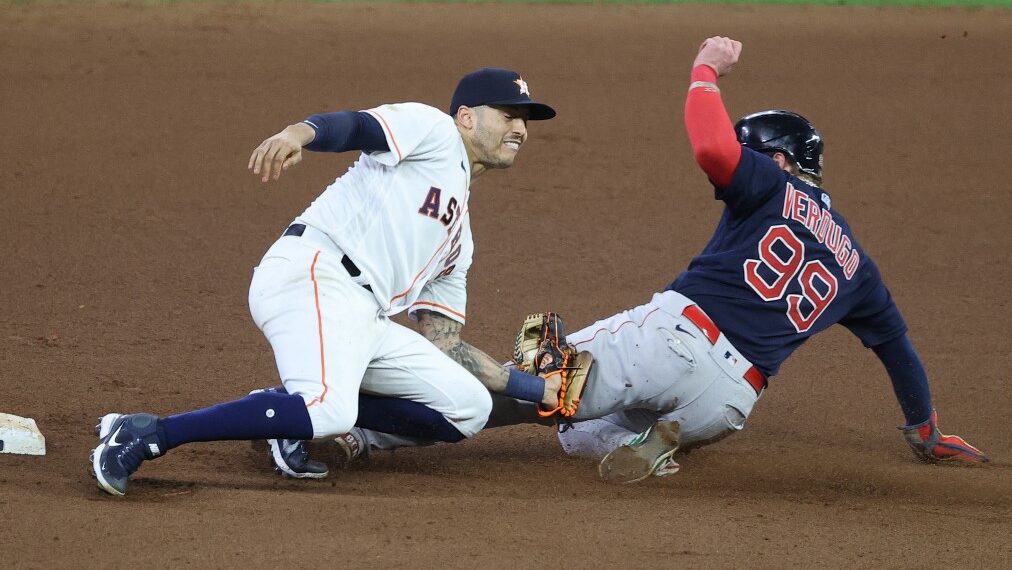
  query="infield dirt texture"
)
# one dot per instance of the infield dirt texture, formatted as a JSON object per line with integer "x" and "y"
{"x": 131, "y": 226}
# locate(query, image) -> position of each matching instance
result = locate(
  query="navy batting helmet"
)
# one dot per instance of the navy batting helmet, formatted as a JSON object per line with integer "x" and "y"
{"x": 786, "y": 132}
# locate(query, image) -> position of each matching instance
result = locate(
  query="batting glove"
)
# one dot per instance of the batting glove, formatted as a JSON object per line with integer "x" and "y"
{"x": 932, "y": 446}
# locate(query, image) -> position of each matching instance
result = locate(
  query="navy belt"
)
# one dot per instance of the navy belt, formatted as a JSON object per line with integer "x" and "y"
{"x": 297, "y": 230}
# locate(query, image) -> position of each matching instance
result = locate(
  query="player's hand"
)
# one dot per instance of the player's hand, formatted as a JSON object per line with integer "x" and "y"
{"x": 280, "y": 152}
{"x": 553, "y": 384}
{"x": 932, "y": 446}
{"x": 720, "y": 53}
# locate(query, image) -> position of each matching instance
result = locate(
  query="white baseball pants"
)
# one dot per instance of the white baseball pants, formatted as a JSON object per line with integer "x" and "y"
{"x": 652, "y": 363}
{"x": 330, "y": 342}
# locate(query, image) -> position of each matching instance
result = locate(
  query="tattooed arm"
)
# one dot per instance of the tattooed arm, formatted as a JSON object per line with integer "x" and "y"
{"x": 445, "y": 334}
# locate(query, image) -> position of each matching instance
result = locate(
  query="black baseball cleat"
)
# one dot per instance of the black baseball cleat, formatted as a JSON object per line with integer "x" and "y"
{"x": 291, "y": 458}
{"x": 125, "y": 442}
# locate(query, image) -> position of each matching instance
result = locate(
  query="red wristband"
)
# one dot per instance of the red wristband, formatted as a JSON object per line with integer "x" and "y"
{"x": 703, "y": 72}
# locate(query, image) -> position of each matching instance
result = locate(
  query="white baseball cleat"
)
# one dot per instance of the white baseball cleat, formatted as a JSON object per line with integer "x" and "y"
{"x": 352, "y": 444}
{"x": 669, "y": 467}
{"x": 649, "y": 453}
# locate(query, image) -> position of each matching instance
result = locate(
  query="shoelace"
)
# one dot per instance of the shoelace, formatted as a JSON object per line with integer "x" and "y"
{"x": 294, "y": 449}
{"x": 131, "y": 454}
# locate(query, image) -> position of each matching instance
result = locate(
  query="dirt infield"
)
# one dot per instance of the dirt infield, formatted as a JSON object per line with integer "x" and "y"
{"x": 130, "y": 228}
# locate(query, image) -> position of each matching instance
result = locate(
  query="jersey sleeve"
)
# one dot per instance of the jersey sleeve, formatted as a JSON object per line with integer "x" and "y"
{"x": 876, "y": 319}
{"x": 411, "y": 130}
{"x": 756, "y": 179}
{"x": 446, "y": 295}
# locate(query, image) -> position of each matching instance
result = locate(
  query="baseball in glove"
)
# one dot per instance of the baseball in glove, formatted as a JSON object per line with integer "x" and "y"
{"x": 541, "y": 349}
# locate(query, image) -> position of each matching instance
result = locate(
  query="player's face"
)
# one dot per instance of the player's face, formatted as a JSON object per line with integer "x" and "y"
{"x": 499, "y": 132}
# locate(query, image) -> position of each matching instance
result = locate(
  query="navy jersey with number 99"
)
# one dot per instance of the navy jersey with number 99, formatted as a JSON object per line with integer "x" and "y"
{"x": 782, "y": 266}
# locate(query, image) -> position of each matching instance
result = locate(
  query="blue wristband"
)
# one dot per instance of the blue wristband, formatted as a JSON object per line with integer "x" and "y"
{"x": 523, "y": 386}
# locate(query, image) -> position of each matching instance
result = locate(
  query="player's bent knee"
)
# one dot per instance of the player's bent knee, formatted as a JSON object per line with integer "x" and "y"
{"x": 472, "y": 415}
{"x": 583, "y": 444}
{"x": 326, "y": 429}
{"x": 727, "y": 421}
{"x": 332, "y": 420}
{"x": 734, "y": 417}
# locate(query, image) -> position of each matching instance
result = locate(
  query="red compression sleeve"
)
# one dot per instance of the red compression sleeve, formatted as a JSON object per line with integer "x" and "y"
{"x": 710, "y": 131}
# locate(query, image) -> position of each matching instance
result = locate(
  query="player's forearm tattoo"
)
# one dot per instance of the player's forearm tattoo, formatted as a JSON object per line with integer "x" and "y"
{"x": 445, "y": 334}
{"x": 441, "y": 331}
{"x": 466, "y": 355}
{"x": 484, "y": 367}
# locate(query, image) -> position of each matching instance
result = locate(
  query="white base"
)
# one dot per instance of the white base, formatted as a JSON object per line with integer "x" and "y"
{"x": 20, "y": 435}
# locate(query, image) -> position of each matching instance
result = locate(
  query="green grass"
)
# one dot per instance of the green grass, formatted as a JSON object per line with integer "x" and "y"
{"x": 883, "y": 3}
{"x": 998, "y": 3}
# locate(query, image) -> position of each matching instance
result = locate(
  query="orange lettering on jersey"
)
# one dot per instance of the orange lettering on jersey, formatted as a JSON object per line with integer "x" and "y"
{"x": 430, "y": 207}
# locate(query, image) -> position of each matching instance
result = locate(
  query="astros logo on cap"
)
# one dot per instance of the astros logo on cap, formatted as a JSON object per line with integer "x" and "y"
{"x": 495, "y": 86}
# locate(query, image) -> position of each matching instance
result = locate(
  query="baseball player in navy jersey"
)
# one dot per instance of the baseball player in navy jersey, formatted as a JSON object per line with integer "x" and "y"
{"x": 687, "y": 367}
{"x": 392, "y": 234}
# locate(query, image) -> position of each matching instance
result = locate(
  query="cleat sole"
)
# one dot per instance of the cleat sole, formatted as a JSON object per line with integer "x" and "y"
{"x": 96, "y": 472}
{"x": 275, "y": 451}
{"x": 103, "y": 430}
{"x": 633, "y": 463}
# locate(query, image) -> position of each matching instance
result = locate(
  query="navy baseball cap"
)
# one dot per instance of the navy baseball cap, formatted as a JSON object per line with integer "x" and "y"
{"x": 496, "y": 86}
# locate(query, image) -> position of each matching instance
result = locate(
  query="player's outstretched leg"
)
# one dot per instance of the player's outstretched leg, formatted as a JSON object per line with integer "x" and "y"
{"x": 125, "y": 441}
{"x": 649, "y": 453}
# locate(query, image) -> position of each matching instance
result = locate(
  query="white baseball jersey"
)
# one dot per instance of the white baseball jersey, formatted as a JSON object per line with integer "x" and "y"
{"x": 401, "y": 215}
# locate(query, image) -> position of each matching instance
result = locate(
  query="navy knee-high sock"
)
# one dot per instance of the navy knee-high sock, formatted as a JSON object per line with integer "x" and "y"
{"x": 404, "y": 417}
{"x": 263, "y": 415}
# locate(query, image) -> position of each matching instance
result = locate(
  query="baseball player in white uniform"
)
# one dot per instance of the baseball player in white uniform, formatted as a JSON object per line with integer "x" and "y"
{"x": 391, "y": 234}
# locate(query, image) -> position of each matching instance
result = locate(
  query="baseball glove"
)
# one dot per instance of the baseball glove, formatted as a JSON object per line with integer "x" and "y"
{"x": 541, "y": 349}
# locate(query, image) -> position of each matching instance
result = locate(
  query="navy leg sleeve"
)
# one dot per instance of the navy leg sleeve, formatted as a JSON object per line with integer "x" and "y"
{"x": 910, "y": 381}
{"x": 404, "y": 417}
